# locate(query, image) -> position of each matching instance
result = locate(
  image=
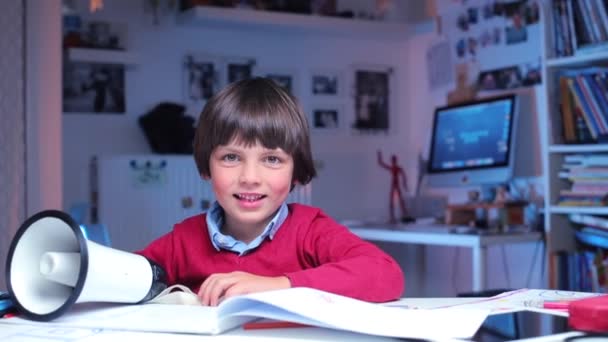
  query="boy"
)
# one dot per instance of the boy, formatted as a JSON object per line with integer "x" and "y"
{"x": 252, "y": 143}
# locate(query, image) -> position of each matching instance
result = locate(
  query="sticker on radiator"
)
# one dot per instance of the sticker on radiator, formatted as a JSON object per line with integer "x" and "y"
{"x": 148, "y": 173}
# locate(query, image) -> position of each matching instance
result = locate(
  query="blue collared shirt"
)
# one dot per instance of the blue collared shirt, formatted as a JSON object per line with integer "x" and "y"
{"x": 215, "y": 220}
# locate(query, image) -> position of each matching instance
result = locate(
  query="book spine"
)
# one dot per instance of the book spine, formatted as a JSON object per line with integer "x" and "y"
{"x": 570, "y": 16}
{"x": 587, "y": 17}
{"x": 583, "y": 134}
{"x": 579, "y": 100}
{"x": 601, "y": 7}
{"x": 568, "y": 117}
{"x": 589, "y": 220}
{"x": 558, "y": 33}
{"x": 591, "y": 104}
{"x": 566, "y": 27}
{"x": 583, "y": 35}
{"x": 598, "y": 95}
{"x": 596, "y": 20}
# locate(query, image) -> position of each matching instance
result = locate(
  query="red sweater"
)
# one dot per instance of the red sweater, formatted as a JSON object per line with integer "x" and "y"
{"x": 310, "y": 248}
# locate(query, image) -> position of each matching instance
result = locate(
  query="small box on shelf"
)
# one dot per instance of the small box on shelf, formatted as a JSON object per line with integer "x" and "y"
{"x": 510, "y": 213}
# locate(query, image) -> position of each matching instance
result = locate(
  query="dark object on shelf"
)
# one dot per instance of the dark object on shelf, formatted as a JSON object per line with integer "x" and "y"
{"x": 346, "y": 14}
{"x": 167, "y": 129}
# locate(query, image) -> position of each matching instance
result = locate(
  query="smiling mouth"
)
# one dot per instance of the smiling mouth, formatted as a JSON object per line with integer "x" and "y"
{"x": 249, "y": 197}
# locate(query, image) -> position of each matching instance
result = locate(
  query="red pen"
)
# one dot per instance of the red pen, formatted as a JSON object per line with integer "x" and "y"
{"x": 558, "y": 305}
{"x": 548, "y": 304}
{"x": 272, "y": 325}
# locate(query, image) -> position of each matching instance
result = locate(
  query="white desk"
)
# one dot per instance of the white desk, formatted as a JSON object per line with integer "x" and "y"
{"x": 438, "y": 236}
{"x": 15, "y": 332}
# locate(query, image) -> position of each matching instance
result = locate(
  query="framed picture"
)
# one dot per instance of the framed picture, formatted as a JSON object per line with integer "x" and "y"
{"x": 326, "y": 117}
{"x": 372, "y": 90}
{"x": 326, "y": 83}
{"x": 284, "y": 77}
{"x": 237, "y": 68}
{"x": 200, "y": 79}
{"x": 93, "y": 88}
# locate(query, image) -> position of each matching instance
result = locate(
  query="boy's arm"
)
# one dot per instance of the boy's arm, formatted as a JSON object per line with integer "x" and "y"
{"x": 345, "y": 264}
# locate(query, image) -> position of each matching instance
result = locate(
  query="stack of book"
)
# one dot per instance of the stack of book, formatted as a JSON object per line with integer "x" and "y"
{"x": 587, "y": 269}
{"x": 588, "y": 175}
{"x": 579, "y": 26}
{"x": 591, "y": 230}
{"x": 584, "y": 104}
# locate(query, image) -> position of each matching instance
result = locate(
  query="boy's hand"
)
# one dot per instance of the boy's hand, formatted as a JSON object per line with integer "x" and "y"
{"x": 220, "y": 286}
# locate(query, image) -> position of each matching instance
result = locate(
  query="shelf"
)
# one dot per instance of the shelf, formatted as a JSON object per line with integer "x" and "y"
{"x": 238, "y": 18}
{"x": 582, "y": 148}
{"x": 578, "y": 60}
{"x": 101, "y": 56}
{"x": 578, "y": 210}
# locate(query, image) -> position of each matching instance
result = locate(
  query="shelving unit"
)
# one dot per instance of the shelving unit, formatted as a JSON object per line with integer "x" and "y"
{"x": 286, "y": 23}
{"x": 560, "y": 231}
{"x": 101, "y": 56}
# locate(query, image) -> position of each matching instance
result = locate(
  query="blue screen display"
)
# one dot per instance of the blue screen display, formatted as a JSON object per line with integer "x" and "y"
{"x": 470, "y": 136}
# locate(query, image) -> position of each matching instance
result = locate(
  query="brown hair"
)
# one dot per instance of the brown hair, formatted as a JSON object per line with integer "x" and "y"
{"x": 255, "y": 110}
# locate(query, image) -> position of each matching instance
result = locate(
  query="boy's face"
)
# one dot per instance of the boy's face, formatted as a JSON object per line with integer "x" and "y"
{"x": 250, "y": 183}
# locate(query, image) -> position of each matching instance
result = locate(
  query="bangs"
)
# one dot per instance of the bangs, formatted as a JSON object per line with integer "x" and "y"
{"x": 261, "y": 119}
{"x": 255, "y": 111}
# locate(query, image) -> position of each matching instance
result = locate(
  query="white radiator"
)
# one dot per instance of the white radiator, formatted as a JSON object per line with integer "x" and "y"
{"x": 141, "y": 197}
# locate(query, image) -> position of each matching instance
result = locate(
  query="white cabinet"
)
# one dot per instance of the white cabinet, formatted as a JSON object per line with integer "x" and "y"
{"x": 559, "y": 80}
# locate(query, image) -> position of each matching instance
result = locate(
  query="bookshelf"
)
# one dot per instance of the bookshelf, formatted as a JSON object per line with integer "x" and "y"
{"x": 574, "y": 109}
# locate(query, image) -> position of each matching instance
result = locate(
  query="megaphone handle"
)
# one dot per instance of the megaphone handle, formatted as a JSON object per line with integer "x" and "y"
{"x": 6, "y": 304}
{"x": 159, "y": 281}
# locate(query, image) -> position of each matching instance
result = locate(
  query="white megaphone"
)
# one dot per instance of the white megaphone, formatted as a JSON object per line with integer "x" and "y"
{"x": 51, "y": 266}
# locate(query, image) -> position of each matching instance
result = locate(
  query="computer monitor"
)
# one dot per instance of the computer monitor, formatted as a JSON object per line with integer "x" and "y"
{"x": 473, "y": 143}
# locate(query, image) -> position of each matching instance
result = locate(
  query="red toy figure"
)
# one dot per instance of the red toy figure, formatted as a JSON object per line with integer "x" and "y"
{"x": 395, "y": 194}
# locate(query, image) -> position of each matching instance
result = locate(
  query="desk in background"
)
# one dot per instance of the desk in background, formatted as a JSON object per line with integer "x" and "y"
{"x": 439, "y": 235}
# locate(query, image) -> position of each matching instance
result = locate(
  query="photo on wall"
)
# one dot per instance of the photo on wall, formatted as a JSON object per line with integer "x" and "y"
{"x": 284, "y": 77}
{"x": 93, "y": 88}
{"x": 510, "y": 77}
{"x": 326, "y": 83}
{"x": 200, "y": 80}
{"x": 200, "y": 77}
{"x": 325, "y": 117}
{"x": 238, "y": 69}
{"x": 372, "y": 100}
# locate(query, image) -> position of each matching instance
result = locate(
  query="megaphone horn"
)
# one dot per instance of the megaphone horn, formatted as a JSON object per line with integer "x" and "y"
{"x": 51, "y": 266}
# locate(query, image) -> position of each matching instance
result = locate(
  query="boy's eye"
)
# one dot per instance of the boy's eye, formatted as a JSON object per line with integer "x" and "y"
{"x": 273, "y": 160}
{"x": 230, "y": 157}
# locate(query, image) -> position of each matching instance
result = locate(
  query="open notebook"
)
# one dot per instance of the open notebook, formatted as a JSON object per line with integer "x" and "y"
{"x": 166, "y": 313}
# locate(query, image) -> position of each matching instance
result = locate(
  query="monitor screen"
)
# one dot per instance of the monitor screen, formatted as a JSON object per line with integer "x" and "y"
{"x": 473, "y": 143}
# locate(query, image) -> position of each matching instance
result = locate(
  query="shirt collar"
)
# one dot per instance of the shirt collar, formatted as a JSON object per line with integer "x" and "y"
{"x": 215, "y": 221}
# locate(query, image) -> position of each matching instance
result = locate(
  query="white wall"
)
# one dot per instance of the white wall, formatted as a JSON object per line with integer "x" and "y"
{"x": 43, "y": 106}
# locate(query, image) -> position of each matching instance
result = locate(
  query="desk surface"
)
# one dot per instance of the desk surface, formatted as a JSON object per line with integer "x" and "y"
{"x": 435, "y": 234}
{"x": 443, "y": 235}
{"x": 15, "y": 332}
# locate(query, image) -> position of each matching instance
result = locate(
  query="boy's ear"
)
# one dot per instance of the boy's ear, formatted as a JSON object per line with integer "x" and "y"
{"x": 293, "y": 185}
{"x": 205, "y": 177}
